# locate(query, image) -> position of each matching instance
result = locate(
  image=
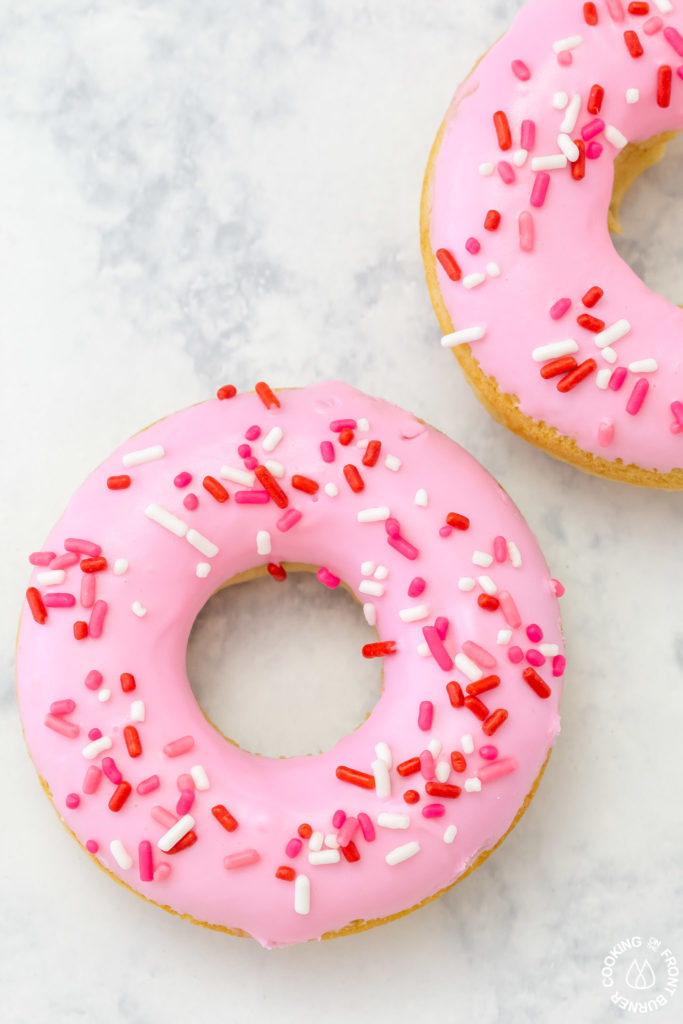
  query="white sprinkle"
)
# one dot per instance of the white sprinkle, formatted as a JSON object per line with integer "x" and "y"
{"x": 302, "y": 894}
{"x": 363, "y": 442}
{"x": 554, "y": 162}
{"x": 434, "y": 747}
{"x": 487, "y": 584}
{"x": 423, "y": 650}
{"x": 632, "y": 95}
{"x": 493, "y": 270}
{"x": 382, "y": 780}
{"x": 166, "y": 519}
{"x": 450, "y": 834}
{"x": 370, "y": 613}
{"x": 463, "y": 336}
{"x": 374, "y": 515}
{"x": 143, "y": 455}
{"x": 482, "y": 558}
{"x": 609, "y": 355}
{"x": 554, "y": 349}
{"x": 442, "y": 771}
{"x": 331, "y": 490}
{"x": 176, "y": 832}
{"x": 617, "y": 138}
{"x": 51, "y": 577}
{"x": 549, "y": 650}
{"x": 381, "y": 572}
{"x": 315, "y": 842}
{"x": 402, "y": 853}
{"x": 199, "y": 777}
{"x": 467, "y": 743}
{"x": 103, "y": 695}
{"x": 331, "y": 841}
{"x": 568, "y": 147}
{"x": 602, "y": 377}
{"x": 473, "y": 280}
{"x": 393, "y": 463}
{"x": 571, "y": 114}
{"x": 139, "y": 609}
{"x": 367, "y": 568}
{"x": 120, "y": 566}
{"x": 560, "y": 100}
{"x": 237, "y": 476}
{"x": 414, "y": 614}
{"x": 386, "y": 820}
{"x": 384, "y": 753}
{"x": 274, "y": 467}
{"x": 486, "y": 170}
{"x": 96, "y": 747}
{"x": 468, "y": 667}
{"x": 371, "y": 588}
{"x": 203, "y": 569}
{"x": 137, "y": 711}
{"x": 515, "y": 555}
{"x": 612, "y": 333}
{"x": 665, "y": 6}
{"x": 504, "y": 637}
{"x": 201, "y": 543}
{"x": 120, "y": 854}
{"x": 272, "y": 439}
{"x": 466, "y": 583}
{"x": 262, "y": 542}
{"x": 519, "y": 158}
{"x": 421, "y": 498}
{"x": 472, "y": 785}
{"x": 324, "y": 857}
{"x": 569, "y": 43}
{"x": 362, "y": 424}
{"x": 643, "y": 366}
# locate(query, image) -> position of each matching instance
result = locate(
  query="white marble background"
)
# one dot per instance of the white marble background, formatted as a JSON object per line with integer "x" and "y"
{"x": 195, "y": 192}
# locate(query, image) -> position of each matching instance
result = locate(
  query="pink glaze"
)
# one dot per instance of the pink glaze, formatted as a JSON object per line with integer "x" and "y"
{"x": 271, "y": 797}
{"x": 567, "y": 243}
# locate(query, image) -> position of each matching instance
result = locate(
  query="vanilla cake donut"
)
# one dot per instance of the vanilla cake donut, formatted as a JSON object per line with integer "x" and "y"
{"x": 561, "y": 340}
{"x": 298, "y": 848}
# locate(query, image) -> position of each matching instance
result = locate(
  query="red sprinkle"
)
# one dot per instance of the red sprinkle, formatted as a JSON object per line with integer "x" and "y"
{"x": 582, "y": 371}
{"x": 494, "y": 721}
{"x": 355, "y": 777}
{"x": 132, "y": 738}
{"x": 492, "y": 220}
{"x": 119, "y": 796}
{"x": 266, "y": 395}
{"x": 590, "y": 14}
{"x": 482, "y": 685}
{"x": 590, "y": 323}
{"x": 305, "y": 830}
{"x": 477, "y": 707}
{"x": 286, "y": 873}
{"x": 445, "y": 790}
{"x": 227, "y": 391}
{"x": 579, "y": 166}
{"x": 538, "y": 685}
{"x": 372, "y": 453}
{"x": 557, "y": 366}
{"x": 276, "y": 571}
{"x": 270, "y": 484}
{"x": 633, "y": 43}
{"x": 638, "y": 8}
{"x": 458, "y": 761}
{"x": 449, "y": 264}
{"x": 224, "y": 817}
{"x": 188, "y": 840}
{"x": 592, "y": 296}
{"x": 304, "y": 483}
{"x": 456, "y": 520}
{"x": 93, "y": 564}
{"x": 80, "y": 630}
{"x": 118, "y": 483}
{"x": 502, "y": 126}
{"x": 595, "y": 98}
{"x": 350, "y": 852}
{"x": 379, "y": 649}
{"x": 127, "y": 682}
{"x": 346, "y": 436}
{"x": 215, "y": 489}
{"x": 354, "y": 479}
{"x": 664, "y": 86}
{"x": 488, "y": 602}
{"x": 411, "y": 796}
{"x": 455, "y": 694}
{"x": 408, "y": 767}
{"x": 35, "y": 603}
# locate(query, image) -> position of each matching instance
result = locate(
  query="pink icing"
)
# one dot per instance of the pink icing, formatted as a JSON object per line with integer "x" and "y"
{"x": 263, "y": 801}
{"x": 569, "y": 246}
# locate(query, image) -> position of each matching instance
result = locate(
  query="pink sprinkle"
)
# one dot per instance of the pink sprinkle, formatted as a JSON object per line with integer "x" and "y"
{"x": 64, "y": 561}
{"x": 244, "y": 451}
{"x": 180, "y": 746}
{"x": 441, "y": 626}
{"x": 500, "y": 549}
{"x": 509, "y": 610}
{"x": 605, "y": 433}
{"x": 111, "y": 771}
{"x": 652, "y": 25}
{"x": 473, "y": 246}
{"x": 41, "y": 558}
{"x": 540, "y": 189}
{"x": 535, "y": 658}
{"x": 528, "y": 138}
{"x": 95, "y": 734}
{"x": 366, "y": 827}
{"x": 83, "y": 547}
{"x": 185, "y": 782}
{"x": 182, "y": 479}
{"x": 185, "y": 801}
{"x": 637, "y": 397}
{"x": 526, "y": 231}
{"x": 338, "y": 819}
{"x": 427, "y": 766}
{"x": 559, "y": 664}
{"x": 289, "y": 519}
{"x": 520, "y": 69}
{"x": 403, "y": 547}
{"x": 99, "y": 610}
{"x": 88, "y": 589}
{"x": 393, "y": 527}
{"x": 676, "y": 409}
{"x": 91, "y": 846}
{"x": 162, "y": 871}
{"x": 616, "y": 9}
{"x": 62, "y": 707}
{"x": 437, "y": 649}
{"x": 240, "y": 860}
{"x": 535, "y": 633}
{"x": 433, "y": 811}
{"x": 564, "y": 58}
{"x": 190, "y": 501}
{"x": 593, "y": 150}
{"x": 557, "y": 588}
{"x": 327, "y": 578}
{"x": 674, "y": 39}
{"x": 250, "y": 462}
{"x": 593, "y": 128}
{"x": 559, "y": 308}
{"x": 163, "y": 817}
{"x": 478, "y": 655}
{"x": 93, "y": 680}
{"x": 495, "y": 770}
{"x": 293, "y": 848}
{"x": 257, "y": 497}
{"x": 506, "y": 172}
{"x": 327, "y": 451}
{"x": 91, "y": 780}
{"x": 62, "y": 600}
{"x": 336, "y": 426}
{"x": 618, "y": 377}
{"x": 347, "y": 831}
{"x": 416, "y": 587}
{"x": 253, "y": 433}
{"x": 145, "y": 861}
{"x": 515, "y": 654}
{"x": 72, "y": 801}
{"x": 425, "y": 716}
{"x": 148, "y": 785}
{"x": 445, "y": 530}
{"x": 489, "y": 753}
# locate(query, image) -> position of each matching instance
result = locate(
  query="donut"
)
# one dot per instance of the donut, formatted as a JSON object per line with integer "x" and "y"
{"x": 322, "y": 478}
{"x": 560, "y": 339}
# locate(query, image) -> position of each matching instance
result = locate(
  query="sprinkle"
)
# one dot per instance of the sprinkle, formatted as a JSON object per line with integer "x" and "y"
{"x": 556, "y": 367}
{"x": 142, "y": 455}
{"x": 177, "y": 832}
{"x": 381, "y": 649}
{"x": 240, "y": 860}
{"x": 120, "y": 854}
{"x": 633, "y": 43}
{"x": 270, "y": 484}
{"x": 449, "y": 263}
{"x": 450, "y": 834}
{"x": 538, "y": 685}
{"x": 51, "y": 578}
{"x": 91, "y": 750}
{"x": 520, "y": 69}
{"x": 554, "y": 350}
{"x": 384, "y": 754}
{"x": 502, "y": 127}
{"x": 615, "y": 9}
{"x": 302, "y": 894}
{"x": 226, "y": 391}
{"x": 507, "y": 175}
{"x": 393, "y": 463}
{"x": 421, "y": 498}
{"x": 237, "y": 476}
{"x": 665, "y": 6}
{"x": 526, "y": 231}
{"x": 569, "y": 43}
{"x": 137, "y": 711}
{"x": 615, "y": 137}
{"x": 374, "y": 515}
{"x": 495, "y": 770}
{"x": 59, "y": 724}
{"x": 612, "y": 333}
{"x": 126, "y": 679}
{"x": 473, "y": 785}
{"x": 664, "y": 77}
{"x": 371, "y": 588}
{"x": 466, "y": 583}
{"x": 637, "y": 397}
{"x": 482, "y": 558}
{"x": 118, "y": 483}
{"x": 540, "y": 189}
{"x": 425, "y": 716}
{"x": 486, "y": 170}
{"x": 652, "y": 26}
{"x": 36, "y": 605}
{"x": 468, "y": 667}
{"x": 643, "y": 366}
{"x": 138, "y": 609}
{"x": 492, "y": 220}
{"x": 266, "y": 395}
{"x": 437, "y": 649}
{"x": 401, "y": 853}
{"x": 41, "y": 557}
{"x": 520, "y": 157}
{"x": 571, "y": 114}
{"x": 120, "y": 566}
{"x": 119, "y": 796}
{"x": 560, "y": 100}
{"x": 575, "y": 377}
{"x": 494, "y": 721}
{"x": 180, "y": 746}
{"x": 463, "y": 337}
{"x": 353, "y": 478}
{"x": 414, "y": 614}
{"x": 166, "y": 519}
{"x": 632, "y": 95}
{"x": 356, "y": 778}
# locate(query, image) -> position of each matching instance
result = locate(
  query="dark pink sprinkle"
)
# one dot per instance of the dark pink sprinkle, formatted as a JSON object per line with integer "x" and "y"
{"x": 336, "y": 426}
{"x": 528, "y": 135}
{"x": 252, "y": 433}
{"x": 338, "y": 819}
{"x": 91, "y": 846}
{"x": 190, "y": 501}
{"x": 489, "y": 753}
{"x": 676, "y": 410}
{"x": 83, "y": 547}
{"x": 251, "y": 497}
{"x": 520, "y": 69}
{"x": 327, "y": 451}
{"x": 506, "y": 172}
{"x": 145, "y": 861}
{"x": 679, "y": 71}
{"x": 366, "y": 827}
{"x": 95, "y": 734}
{"x": 111, "y": 771}
{"x": 557, "y": 588}
{"x": 540, "y": 189}
{"x": 185, "y": 801}
{"x": 93, "y": 680}
{"x": 535, "y": 657}
{"x": 72, "y": 800}
{"x": 64, "y": 561}
{"x": 441, "y": 626}
{"x": 425, "y": 716}
{"x": 97, "y": 616}
{"x": 594, "y": 150}
{"x": 62, "y": 600}
{"x": 182, "y": 479}
{"x": 618, "y": 377}
{"x": 62, "y": 707}
{"x": 559, "y": 663}
{"x": 250, "y": 462}
{"x": 473, "y": 246}
{"x": 289, "y": 519}
{"x": 637, "y": 396}
{"x": 445, "y": 530}
{"x": 500, "y": 549}
{"x": 535, "y": 633}
{"x": 293, "y": 847}
{"x": 416, "y": 587}
{"x": 593, "y": 128}
{"x": 433, "y": 811}
{"x": 41, "y": 558}
{"x": 515, "y": 654}
{"x": 674, "y": 39}
{"x": 559, "y": 308}
{"x": 327, "y": 578}
{"x": 437, "y": 649}
{"x": 404, "y": 547}
{"x": 244, "y": 451}
{"x": 393, "y": 527}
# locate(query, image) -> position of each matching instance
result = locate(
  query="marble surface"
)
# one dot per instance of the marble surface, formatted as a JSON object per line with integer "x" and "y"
{"x": 198, "y": 192}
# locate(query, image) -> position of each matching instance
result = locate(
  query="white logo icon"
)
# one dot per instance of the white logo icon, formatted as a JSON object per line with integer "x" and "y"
{"x": 640, "y": 984}
{"x": 640, "y": 976}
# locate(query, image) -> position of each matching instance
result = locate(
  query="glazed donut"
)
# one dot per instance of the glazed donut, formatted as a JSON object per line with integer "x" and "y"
{"x": 296, "y": 848}
{"x": 560, "y": 339}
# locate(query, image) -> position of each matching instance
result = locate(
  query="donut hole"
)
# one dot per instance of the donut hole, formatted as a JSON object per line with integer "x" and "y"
{"x": 277, "y": 666}
{"x": 646, "y": 212}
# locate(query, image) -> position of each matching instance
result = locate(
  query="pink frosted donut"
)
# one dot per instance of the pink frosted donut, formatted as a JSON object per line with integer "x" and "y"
{"x": 291, "y": 849}
{"x": 560, "y": 338}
